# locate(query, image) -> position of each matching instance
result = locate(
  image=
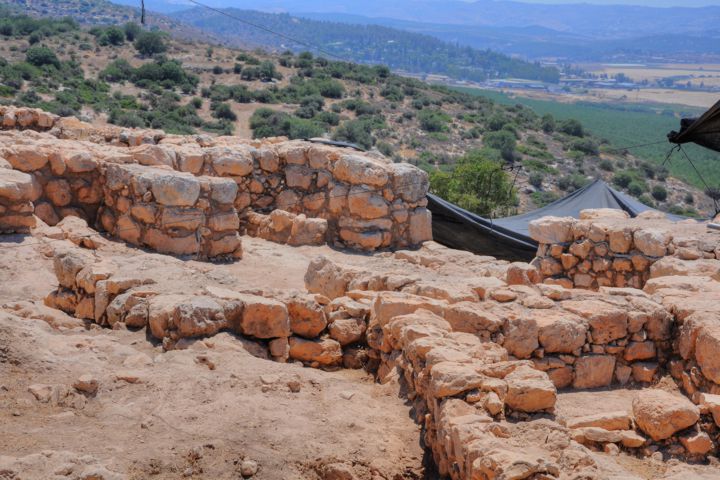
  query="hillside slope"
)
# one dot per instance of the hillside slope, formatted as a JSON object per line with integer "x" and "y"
{"x": 188, "y": 87}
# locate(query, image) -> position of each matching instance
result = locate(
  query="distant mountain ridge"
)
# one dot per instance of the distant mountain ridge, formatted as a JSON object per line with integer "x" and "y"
{"x": 600, "y": 21}
{"x": 541, "y": 42}
{"x": 399, "y": 49}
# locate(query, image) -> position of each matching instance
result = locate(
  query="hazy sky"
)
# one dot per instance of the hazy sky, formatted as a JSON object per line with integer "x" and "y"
{"x": 647, "y": 3}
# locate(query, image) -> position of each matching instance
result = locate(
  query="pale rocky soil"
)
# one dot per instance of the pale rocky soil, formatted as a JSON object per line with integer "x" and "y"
{"x": 203, "y": 411}
{"x": 198, "y": 412}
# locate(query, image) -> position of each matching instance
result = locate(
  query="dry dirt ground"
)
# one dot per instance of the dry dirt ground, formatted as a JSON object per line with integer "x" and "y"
{"x": 195, "y": 413}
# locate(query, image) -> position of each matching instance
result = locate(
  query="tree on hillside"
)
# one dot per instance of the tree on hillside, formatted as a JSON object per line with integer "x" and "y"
{"x": 150, "y": 43}
{"x": 112, "y": 36}
{"x": 478, "y": 184}
{"x": 132, "y": 30}
{"x": 41, "y": 55}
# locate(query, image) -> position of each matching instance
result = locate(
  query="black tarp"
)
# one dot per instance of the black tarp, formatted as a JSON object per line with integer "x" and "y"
{"x": 508, "y": 238}
{"x": 703, "y": 131}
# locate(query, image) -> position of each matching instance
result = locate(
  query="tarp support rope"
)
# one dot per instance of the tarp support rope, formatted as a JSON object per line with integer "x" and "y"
{"x": 702, "y": 179}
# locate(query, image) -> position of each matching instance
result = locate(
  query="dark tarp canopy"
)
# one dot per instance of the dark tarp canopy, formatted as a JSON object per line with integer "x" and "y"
{"x": 704, "y": 131}
{"x": 508, "y": 238}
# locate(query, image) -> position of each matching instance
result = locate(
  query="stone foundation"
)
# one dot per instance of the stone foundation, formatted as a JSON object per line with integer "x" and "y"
{"x": 607, "y": 249}
{"x": 328, "y": 194}
{"x": 171, "y": 212}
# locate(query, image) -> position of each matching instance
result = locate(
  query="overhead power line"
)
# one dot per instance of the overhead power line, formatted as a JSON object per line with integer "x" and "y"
{"x": 270, "y": 31}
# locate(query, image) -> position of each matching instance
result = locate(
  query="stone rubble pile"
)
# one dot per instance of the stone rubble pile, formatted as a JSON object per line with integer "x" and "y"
{"x": 323, "y": 193}
{"x": 607, "y": 249}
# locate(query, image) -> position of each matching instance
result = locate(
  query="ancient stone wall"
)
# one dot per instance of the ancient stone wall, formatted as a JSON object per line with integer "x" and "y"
{"x": 171, "y": 212}
{"x": 26, "y": 118}
{"x": 605, "y": 248}
{"x": 328, "y": 194}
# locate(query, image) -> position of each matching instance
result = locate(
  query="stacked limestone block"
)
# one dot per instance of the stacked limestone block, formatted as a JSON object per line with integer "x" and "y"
{"x": 606, "y": 249}
{"x": 285, "y": 227}
{"x": 368, "y": 202}
{"x": 22, "y": 118}
{"x": 18, "y": 190}
{"x": 68, "y": 178}
{"x": 171, "y": 212}
{"x": 582, "y": 339}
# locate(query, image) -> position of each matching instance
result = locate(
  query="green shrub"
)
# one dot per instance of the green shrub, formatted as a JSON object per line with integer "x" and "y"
{"x": 40, "y": 55}
{"x": 503, "y": 141}
{"x": 548, "y": 123}
{"x": 606, "y": 165}
{"x": 224, "y": 111}
{"x": 112, "y": 36}
{"x": 572, "y": 127}
{"x": 433, "y": 120}
{"x": 359, "y": 131}
{"x": 622, "y": 179}
{"x": 132, "y": 30}
{"x": 586, "y": 146}
{"x": 477, "y": 183}
{"x": 540, "y": 199}
{"x": 636, "y": 188}
{"x": 150, "y": 43}
{"x": 536, "y": 179}
{"x": 117, "y": 71}
{"x": 330, "y": 88}
{"x": 659, "y": 193}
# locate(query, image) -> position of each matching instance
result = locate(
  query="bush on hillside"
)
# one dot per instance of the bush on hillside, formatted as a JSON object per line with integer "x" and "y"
{"x": 478, "y": 184}
{"x": 41, "y": 55}
{"x": 150, "y": 43}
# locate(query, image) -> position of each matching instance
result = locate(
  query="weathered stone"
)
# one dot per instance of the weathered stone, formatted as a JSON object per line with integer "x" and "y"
{"x": 529, "y": 390}
{"x": 560, "y": 332}
{"x": 263, "y": 317}
{"x": 448, "y": 379}
{"x": 652, "y": 241}
{"x": 181, "y": 190}
{"x": 356, "y": 169}
{"x": 551, "y": 229}
{"x": 594, "y": 371}
{"x": 232, "y": 163}
{"x": 707, "y": 347}
{"x": 471, "y": 317}
{"x": 324, "y": 352}
{"x": 697, "y": 443}
{"x": 347, "y": 330}
{"x": 307, "y": 317}
{"x": 661, "y": 414}
{"x": 521, "y": 336}
{"x": 639, "y": 351}
{"x": 420, "y": 227}
{"x": 618, "y": 420}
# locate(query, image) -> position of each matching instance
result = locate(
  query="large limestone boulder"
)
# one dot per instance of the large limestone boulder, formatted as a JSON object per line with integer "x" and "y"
{"x": 263, "y": 317}
{"x": 552, "y": 229}
{"x": 560, "y": 332}
{"x": 176, "y": 189}
{"x": 529, "y": 390}
{"x": 323, "y": 352}
{"x": 707, "y": 349}
{"x": 307, "y": 316}
{"x": 661, "y": 414}
{"x": 594, "y": 371}
{"x": 357, "y": 169}
{"x": 652, "y": 241}
{"x": 595, "y": 213}
{"x": 16, "y": 186}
